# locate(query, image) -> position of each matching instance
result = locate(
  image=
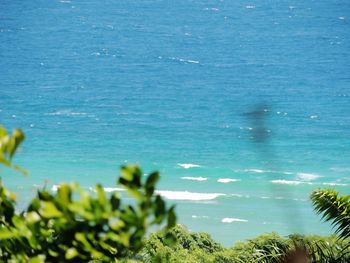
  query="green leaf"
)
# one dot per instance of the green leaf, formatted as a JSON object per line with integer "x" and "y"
{"x": 130, "y": 176}
{"x": 71, "y": 253}
{"x": 115, "y": 201}
{"x": 151, "y": 182}
{"x": 64, "y": 194}
{"x": 101, "y": 195}
{"x": 171, "y": 217}
{"x": 49, "y": 210}
{"x": 32, "y": 217}
{"x": 37, "y": 259}
{"x": 6, "y": 234}
{"x": 116, "y": 224}
{"x": 81, "y": 238}
{"x": 16, "y": 139}
{"x": 170, "y": 239}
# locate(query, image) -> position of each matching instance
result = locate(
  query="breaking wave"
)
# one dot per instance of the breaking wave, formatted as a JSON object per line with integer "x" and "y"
{"x": 227, "y": 180}
{"x": 188, "y": 165}
{"x": 289, "y": 182}
{"x": 231, "y": 220}
{"x": 194, "y": 178}
{"x": 307, "y": 176}
{"x": 185, "y": 195}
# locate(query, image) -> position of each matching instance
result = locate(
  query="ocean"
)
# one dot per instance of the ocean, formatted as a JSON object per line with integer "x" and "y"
{"x": 243, "y": 106}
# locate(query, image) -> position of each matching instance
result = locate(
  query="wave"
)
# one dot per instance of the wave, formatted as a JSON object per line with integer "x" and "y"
{"x": 231, "y": 220}
{"x": 257, "y": 171}
{"x": 185, "y": 195}
{"x": 185, "y": 60}
{"x": 55, "y": 187}
{"x": 227, "y": 180}
{"x": 282, "y": 198}
{"x": 260, "y": 171}
{"x": 68, "y": 113}
{"x": 194, "y": 178}
{"x": 307, "y": 176}
{"x": 289, "y": 182}
{"x": 188, "y": 165}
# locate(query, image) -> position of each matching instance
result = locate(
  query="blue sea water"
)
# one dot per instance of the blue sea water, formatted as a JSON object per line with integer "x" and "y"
{"x": 168, "y": 85}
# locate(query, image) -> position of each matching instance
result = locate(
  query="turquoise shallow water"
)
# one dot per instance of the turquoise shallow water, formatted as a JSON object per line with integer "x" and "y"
{"x": 168, "y": 85}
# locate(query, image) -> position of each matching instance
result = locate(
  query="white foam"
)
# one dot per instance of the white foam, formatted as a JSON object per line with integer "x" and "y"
{"x": 250, "y": 6}
{"x": 286, "y": 182}
{"x": 231, "y": 220}
{"x": 227, "y": 180}
{"x": 113, "y": 189}
{"x": 313, "y": 117}
{"x": 194, "y": 178}
{"x": 307, "y": 176}
{"x": 185, "y": 60}
{"x": 185, "y": 195}
{"x": 260, "y": 171}
{"x": 192, "y": 61}
{"x": 256, "y": 171}
{"x": 55, "y": 187}
{"x": 188, "y": 165}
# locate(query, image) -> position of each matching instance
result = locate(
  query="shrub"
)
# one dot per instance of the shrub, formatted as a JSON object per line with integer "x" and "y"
{"x": 74, "y": 225}
{"x": 267, "y": 248}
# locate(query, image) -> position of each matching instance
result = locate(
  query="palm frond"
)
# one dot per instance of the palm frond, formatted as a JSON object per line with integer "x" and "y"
{"x": 334, "y": 208}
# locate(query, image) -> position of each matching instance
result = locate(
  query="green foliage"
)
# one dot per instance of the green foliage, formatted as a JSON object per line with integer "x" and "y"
{"x": 192, "y": 247}
{"x": 334, "y": 208}
{"x": 8, "y": 146}
{"x": 73, "y": 225}
{"x": 268, "y": 248}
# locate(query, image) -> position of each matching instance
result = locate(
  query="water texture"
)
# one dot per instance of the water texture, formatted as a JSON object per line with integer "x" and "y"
{"x": 170, "y": 85}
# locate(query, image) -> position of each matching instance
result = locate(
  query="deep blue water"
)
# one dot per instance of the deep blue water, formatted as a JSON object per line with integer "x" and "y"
{"x": 95, "y": 84}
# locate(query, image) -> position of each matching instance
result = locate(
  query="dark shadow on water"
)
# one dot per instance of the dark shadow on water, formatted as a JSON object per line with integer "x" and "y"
{"x": 261, "y": 135}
